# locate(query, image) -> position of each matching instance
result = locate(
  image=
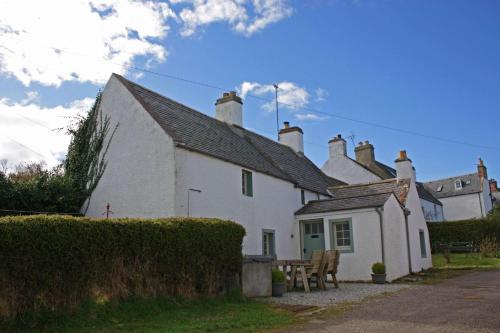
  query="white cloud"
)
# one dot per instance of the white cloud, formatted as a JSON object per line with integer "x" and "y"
{"x": 290, "y": 95}
{"x": 244, "y": 16}
{"x": 321, "y": 95}
{"x": 309, "y": 117}
{"x": 29, "y": 132}
{"x": 69, "y": 40}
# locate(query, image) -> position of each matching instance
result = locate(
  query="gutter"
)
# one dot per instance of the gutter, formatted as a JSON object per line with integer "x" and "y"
{"x": 381, "y": 219}
{"x": 407, "y": 212}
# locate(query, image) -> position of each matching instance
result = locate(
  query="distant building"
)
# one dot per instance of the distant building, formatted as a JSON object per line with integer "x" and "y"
{"x": 365, "y": 168}
{"x": 465, "y": 196}
{"x": 495, "y": 193}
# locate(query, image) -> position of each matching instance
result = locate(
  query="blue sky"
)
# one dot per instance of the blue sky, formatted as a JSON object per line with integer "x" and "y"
{"x": 431, "y": 67}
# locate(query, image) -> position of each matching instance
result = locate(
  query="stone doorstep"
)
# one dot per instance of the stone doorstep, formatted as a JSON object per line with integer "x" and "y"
{"x": 299, "y": 309}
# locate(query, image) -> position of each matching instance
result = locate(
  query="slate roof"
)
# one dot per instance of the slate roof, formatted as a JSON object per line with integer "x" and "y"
{"x": 471, "y": 183}
{"x": 359, "y": 196}
{"x": 423, "y": 193}
{"x": 198, "y": 132}
{"x": 331, "y": 205}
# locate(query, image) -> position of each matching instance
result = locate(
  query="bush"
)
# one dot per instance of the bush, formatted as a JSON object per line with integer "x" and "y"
{"x": 278, "y": 276}
{"x": 56, "y": 262}
{"x": 488, "y": 247}
{"x": 472, "y": 231}
{"x": 378, "y": 268}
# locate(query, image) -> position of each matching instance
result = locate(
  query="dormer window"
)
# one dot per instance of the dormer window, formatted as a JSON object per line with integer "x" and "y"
{"x": 458, "y": 184}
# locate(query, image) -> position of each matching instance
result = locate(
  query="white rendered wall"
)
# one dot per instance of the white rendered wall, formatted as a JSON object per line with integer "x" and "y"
{"x": 341, "y": 167}
{"x": 396, "y": 249}
{"x": 486, "y": 197}
{"x": 432, "y": 212}
{"x": 272, "y": 206}
{"x": 462, "y": 207}
{"x": 356, "y": 265}
{"x": 416, "y": 222}
{"x": 139, "y": 177}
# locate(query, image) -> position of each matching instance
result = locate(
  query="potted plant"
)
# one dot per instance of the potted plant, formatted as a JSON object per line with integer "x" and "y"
{"x": 278, "y": 278}
{"x": 378, "y": 275}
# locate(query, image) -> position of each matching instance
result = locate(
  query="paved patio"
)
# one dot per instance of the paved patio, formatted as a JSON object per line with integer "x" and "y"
{"x": 345, "y": 292}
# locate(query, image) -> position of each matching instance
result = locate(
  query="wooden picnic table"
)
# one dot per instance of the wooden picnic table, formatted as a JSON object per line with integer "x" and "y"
{"x": 296, "y": 266}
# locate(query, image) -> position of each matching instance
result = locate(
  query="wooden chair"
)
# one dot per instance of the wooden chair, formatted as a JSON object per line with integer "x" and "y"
{"x": 317, "y": 268}
{"x": 333, "y": 263}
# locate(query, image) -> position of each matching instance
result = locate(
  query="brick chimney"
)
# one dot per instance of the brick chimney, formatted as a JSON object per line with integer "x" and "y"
{"x": 229, "y": 109}
{"x": 337, "y": 146}
{"x": 292, "y": 137}
{"x": 404, "y": 167}
{"x": 365, "y": 153}
{"x": 481, "y": 169}
{"x": 493, "y": 186}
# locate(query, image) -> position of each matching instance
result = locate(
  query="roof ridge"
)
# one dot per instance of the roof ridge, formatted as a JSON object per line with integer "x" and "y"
{"x": 390, "y": 180}
{"x": 449, "y": 178}
{"x": 333, "y": 198}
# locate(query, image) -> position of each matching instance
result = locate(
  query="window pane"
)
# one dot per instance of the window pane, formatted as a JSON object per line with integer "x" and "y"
{"x": 314, "y": 228}
{"x": 308, "y": 228}
{"x": 320, "y": 228}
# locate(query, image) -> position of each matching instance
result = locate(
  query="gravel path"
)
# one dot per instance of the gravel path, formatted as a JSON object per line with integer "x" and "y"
{"x": 468, "y": 303}
{"x": 332, "y": 296}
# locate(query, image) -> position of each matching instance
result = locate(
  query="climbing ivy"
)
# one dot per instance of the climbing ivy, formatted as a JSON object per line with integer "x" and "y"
{"x": 86, "y": 159}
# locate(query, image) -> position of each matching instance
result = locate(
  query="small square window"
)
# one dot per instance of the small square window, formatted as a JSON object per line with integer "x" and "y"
{"x": 303, "y": 197}
{"x": 341, "y": 232}
{"x": 423, "y": 249}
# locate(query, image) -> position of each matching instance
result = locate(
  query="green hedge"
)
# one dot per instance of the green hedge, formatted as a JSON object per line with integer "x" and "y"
{"x": 462, "y": 231}
{"x": 56, "y": 262}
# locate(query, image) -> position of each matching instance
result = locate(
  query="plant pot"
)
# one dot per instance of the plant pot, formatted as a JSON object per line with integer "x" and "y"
{"x": 278, "y": 289}
{"x": 378, "y": 278}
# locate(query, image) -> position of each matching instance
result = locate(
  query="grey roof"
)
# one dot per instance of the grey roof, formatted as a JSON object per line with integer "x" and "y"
{"x": 198, "y": 132}
{"x": 424, "y": 194}
{"x": 471, "y": 183}
{"x": 398, "y": 187}
{"x": 359, "y": 196}
{"x": 331, "y": 205}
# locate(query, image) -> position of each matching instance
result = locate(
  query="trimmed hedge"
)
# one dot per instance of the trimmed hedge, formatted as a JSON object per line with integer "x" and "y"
{"x": 56, "y": 262}
{"x": 462, "y": 231}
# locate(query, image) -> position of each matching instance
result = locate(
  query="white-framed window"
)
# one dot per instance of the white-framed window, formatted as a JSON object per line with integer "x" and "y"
{"x": 458, "y": 184}
{"x": 303, "y": 197}
{"x": 268, "y": 242}
{"x": 341, "y": 235}
{"x": 247, "y": 183}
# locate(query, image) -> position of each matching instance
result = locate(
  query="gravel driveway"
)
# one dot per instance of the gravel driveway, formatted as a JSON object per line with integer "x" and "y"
{"x": 468, "y": 303}
{"x": 345, "y": 292}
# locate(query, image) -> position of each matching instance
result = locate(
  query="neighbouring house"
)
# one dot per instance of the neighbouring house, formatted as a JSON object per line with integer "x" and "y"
{"x": 166, "y": 159}
{"x": 464, "y": 197}
{"x": 365, "y": 168}
{"x": 495, "y": 193}
{"x": 379, "y": 221}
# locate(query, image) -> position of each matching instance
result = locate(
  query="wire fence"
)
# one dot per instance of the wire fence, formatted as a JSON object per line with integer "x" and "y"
{"x": 14, "y": 212}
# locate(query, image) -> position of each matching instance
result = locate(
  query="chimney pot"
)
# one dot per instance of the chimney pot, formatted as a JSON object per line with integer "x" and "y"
{"x": 366, "y": 142}
{"x": 339, "y": 136}
{"x": 287, "y": 124}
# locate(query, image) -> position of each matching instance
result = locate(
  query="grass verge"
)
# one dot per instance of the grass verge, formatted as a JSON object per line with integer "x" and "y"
{"x": 460, "y": 263}
{"x": 159, "y": 315}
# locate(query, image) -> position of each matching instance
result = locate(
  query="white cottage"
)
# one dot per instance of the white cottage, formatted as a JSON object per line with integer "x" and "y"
{"x": 166, "y": 159}
{"x": 465, "y": 196}
{"x": 378, "y": 221}
{"x": 365, "y": 168}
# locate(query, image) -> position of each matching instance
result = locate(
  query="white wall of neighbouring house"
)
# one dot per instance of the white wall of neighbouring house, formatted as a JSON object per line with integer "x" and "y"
{"x": 486, "y": 197}
{"x": 344, "y": 169}
{"x": 139, "y": 178}
{"x": 417, "y": 223}
{"x": 272, "y": 205}
{"x": 354, "y": 265}
{"x": 463, "y": 207}
{"x": 395, "y": 240}
{"x": 432, "y": 212}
